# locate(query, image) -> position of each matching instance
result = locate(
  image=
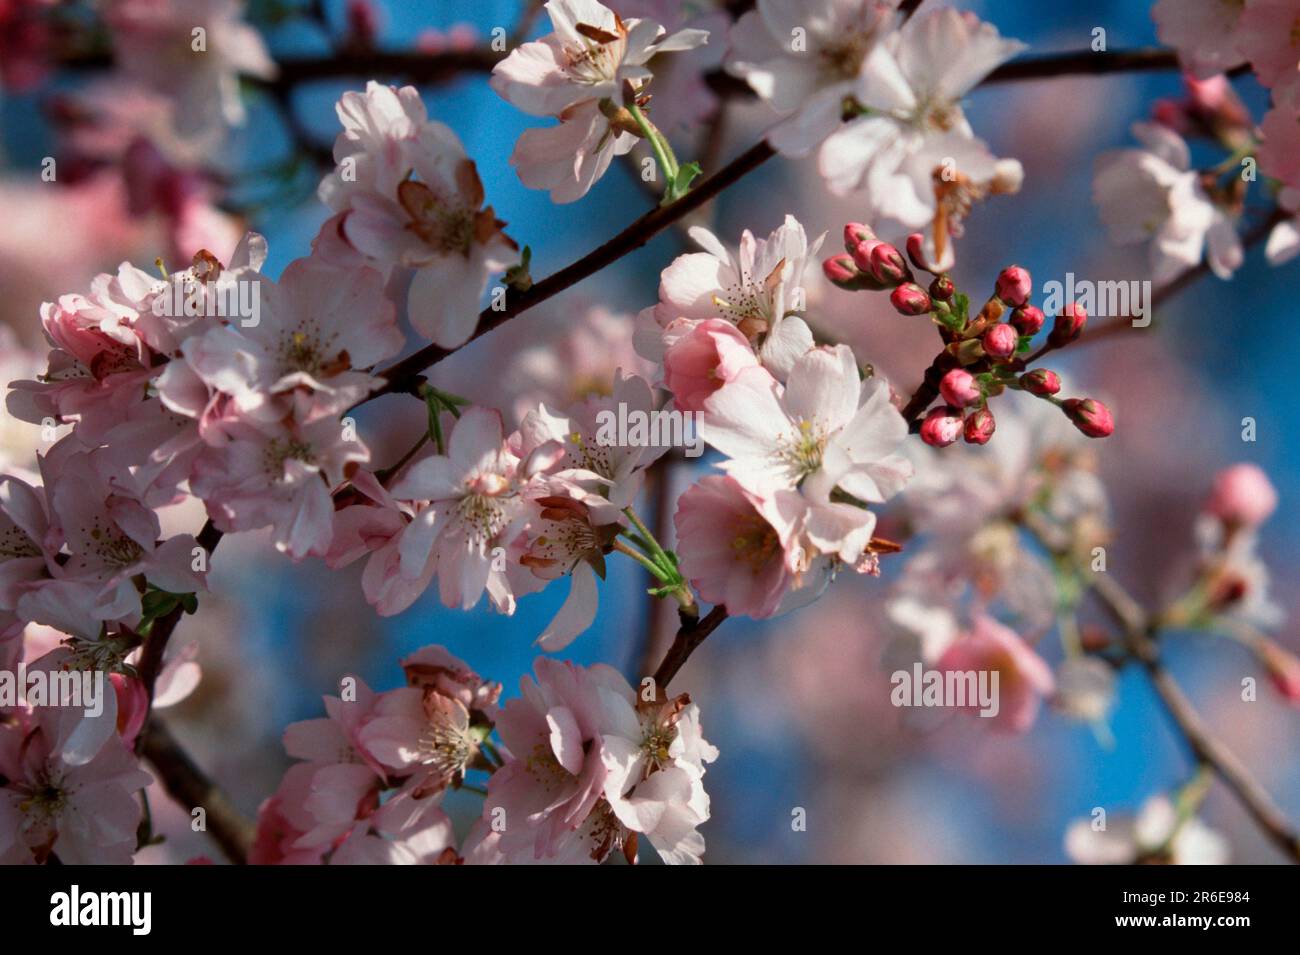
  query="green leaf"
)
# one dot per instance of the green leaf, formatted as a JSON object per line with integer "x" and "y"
{"x": 518, "y": 277}
{"x": 681, "y": 183}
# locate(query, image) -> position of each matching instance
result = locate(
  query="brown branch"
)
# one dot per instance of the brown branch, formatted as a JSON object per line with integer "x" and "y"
{"x": 404, "y": 375}
{"x": 693, "y": 632}
{"x": 186, "y": 783}
{"x": 1140, "y": 630}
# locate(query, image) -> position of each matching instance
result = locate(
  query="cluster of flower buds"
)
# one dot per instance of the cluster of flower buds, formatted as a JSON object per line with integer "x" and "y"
{"x": 984, "y": 354}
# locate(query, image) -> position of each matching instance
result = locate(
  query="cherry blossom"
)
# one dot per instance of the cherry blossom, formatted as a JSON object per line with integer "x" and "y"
{"x": 579, "y": 75}
{"x": 410, "y": 196}
{"x": 82, "y": 813}
{"x": 155, "y": 42}
{"x": 804, "y": 60}
{"x": 468, "y": 508}
{"x": 756, "y": 288}
{"x": 1152, "y": 194}
{"x": 1157, "y": 834}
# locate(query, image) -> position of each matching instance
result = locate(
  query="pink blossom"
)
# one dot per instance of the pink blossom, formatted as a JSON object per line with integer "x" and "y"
{"x": 1023, "y": 677}
{"x": 371, "y": 526}
{"x": 578, "y": 74}
{"x": 279, "y": 474}
{"x": 591, "y": 54}
{"x": 731, "y": 548}
{"x": 826, "y": 428}
{"x": 567, "y": 160}
{"x": 411, "y": 196}
{"x": 564, "y": 538}
{"x": 467, "y": 506}
{"x": 809, "y": 84}
{"x": 756, "y": 288}
{"x": 1243, "y": 496}
{"x": 315, "y": 327}
{"x": 914, "y": 121}
{"x": 703, "y": 360}
{"x": 153, "y": 43}
{"x": 1151, "y": 193}
{"x": 600, "y": 469}
{"x": 1268, "y": 35}
{"x": 593, "y": 772}
{"x": 85, "y": 812}
{"x": 1206, "y": 33}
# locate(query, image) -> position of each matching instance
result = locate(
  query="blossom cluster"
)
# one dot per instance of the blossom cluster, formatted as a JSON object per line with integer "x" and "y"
{"x": 216, "y": 391}
{"x": 1189, "y": 214}
{"x": 585, "y": 767}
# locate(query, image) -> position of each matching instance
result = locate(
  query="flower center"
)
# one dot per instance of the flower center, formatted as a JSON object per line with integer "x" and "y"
{"x": 279, "y": 450}
{"x": 801, "y": 451}
{"x": 15, "y": 543}
{"x": 754, "y": 543}
{"x": 448, "y": 227}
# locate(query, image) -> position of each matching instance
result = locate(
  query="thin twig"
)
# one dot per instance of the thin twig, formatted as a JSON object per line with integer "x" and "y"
{"x": 405, "y": 374}
{"x": 690, "y": 635}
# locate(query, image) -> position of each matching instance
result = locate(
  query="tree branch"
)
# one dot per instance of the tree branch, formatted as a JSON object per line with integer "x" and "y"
{"x": 690, "y": 635}
{"x": 1140, "y": 629}
{"x": 186, "y": 783}
{"x": 404, "y": 375}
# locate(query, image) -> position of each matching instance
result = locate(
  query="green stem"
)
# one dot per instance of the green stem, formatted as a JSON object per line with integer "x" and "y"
{"x": 663, "y": 152}
{"x": 644, "y": 561}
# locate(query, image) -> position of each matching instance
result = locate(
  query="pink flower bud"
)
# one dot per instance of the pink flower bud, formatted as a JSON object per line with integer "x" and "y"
{"x": 1041, "y": 382}
{"x": 1090, "y": 416}
{"x": 1068, "y": 325}
{"x": 979, "y": 426}
{"x": 855, "y": 233}
{"x": 942, "y": 288}
{"x": 887, "y": 265}
{"x": 841, "y": 270}
{"x": 959, "y": 388}
{"x": 1243, "y": 496}
{"x": 941, "y": 427}
{"x": 1028, "y": 319}
{"x": 910, "y": 299}
{"x": 862, "y": 253}
{"x": 916, "y": 251}
{"x": 1014, "y": 285}
{"x": 1000, "y": 341}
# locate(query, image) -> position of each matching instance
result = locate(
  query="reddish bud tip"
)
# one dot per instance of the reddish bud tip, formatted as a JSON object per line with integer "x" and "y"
{"x": 1028, "y": 319}
{"x": 1000, "y": 341}
{"x": 941, "y": 427}
{"x": 979, "y": 426}
{"x": 916, "y": 251}
{"x": 1090, "y": 416}
{"x": 942, "y": 288}
{"x": 887, "y": 265}
{"x": 1014, "y": 285}
{"x": 959, "y": 388}
{"x": 1041, "y": 382}
{"x": 855, "y": 233}
{"x": 841, "y": 270}
{"x": 1068, "y": 325}
{"x": 910, "y": 299}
